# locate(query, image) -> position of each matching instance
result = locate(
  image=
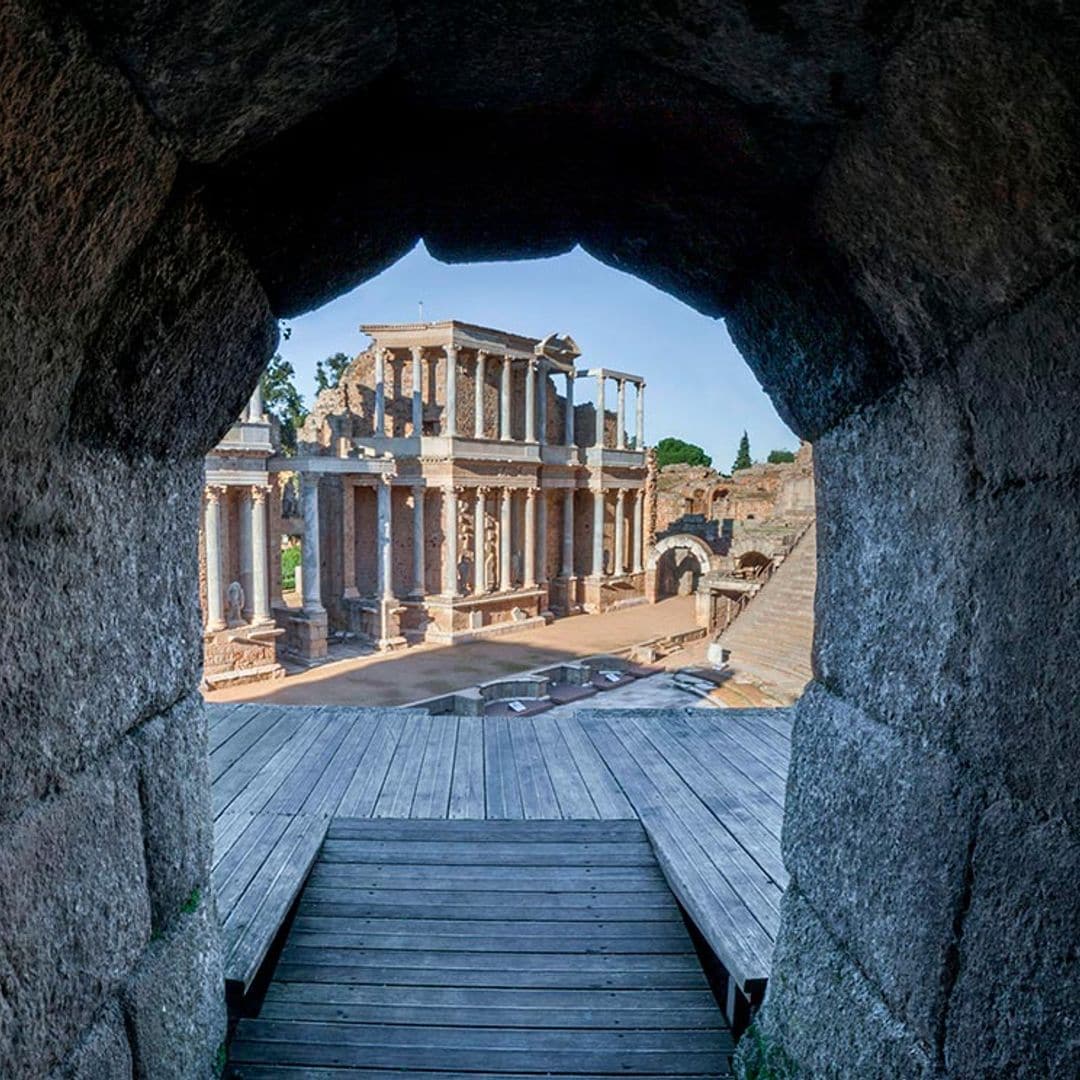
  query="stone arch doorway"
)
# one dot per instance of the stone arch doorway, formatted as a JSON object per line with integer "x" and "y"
{"x": 814, "y": 175}
{"x": 753, "y": 564}
{"x": 675, "y": 566}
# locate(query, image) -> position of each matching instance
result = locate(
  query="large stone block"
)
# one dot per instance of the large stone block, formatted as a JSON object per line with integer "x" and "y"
{"x": 102, "y": 1053}
{"x": 877, "y": 831}
{"x": 175, "y": 1001}
{"x": 101, "y": 627}
{"x": 74, "y": 913}
{"x": 1015, "y": 1006}
{"x": 822, "y": 1018}
{"x": 174, "y": 789}
{"x": 893, "y": 606}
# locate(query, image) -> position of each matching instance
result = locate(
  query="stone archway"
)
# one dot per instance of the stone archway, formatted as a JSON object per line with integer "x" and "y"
{"x": 667, "y": 575}
{"x": 882, "y": 206}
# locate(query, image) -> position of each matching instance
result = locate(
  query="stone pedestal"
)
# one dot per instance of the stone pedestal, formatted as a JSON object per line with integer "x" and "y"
{"x": 308, "y": 632}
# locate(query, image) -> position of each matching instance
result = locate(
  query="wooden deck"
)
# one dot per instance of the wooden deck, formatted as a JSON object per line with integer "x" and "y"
{"x": 486, "y": 947}
{"x": 707, "y": 785}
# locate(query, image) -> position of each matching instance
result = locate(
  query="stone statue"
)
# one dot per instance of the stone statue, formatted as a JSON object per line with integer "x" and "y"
{"x": 490, "y": 559}
{"x": 234, "y": 599}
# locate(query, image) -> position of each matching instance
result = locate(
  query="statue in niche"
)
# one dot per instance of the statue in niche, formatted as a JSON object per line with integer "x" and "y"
{"x": 234, "y": 604}
{"x": 490, "y": 560}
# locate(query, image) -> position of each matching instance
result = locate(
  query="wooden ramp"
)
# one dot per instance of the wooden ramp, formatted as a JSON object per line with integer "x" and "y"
{"x": 496, "y": 948}
{"x": 708, "y": 786}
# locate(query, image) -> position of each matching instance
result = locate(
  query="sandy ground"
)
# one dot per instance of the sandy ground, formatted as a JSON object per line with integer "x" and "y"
{"x": 426, "y": 670}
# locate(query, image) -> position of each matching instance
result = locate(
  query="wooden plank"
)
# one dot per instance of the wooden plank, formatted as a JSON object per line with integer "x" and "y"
{"x": 774, "y": 761}
{"x": 571, "y": 791}
{"x": 500, "y": 775}
{"x": 227, "y": 830}
{"x": 604, "y": 789}
{"x": 491, "y": 878}
{"x": 307, "y": 1072}
{"x": 329, "y": 789}
{"x": 246, "y": 729}
{"x": 537, "y": 795}
{"x": 396, "y": 796}
{"x": 432, "y": 796}
{"x": 370, "y": 775}
{"x": 234, "y": 873}
{"x": 467, "y": 784}
{"x": 754, "y": 723}
{"x": 769, "y": 782}
{"x": 489, "y": 831}
{"x": 424, "y": 853}
{"x": 302, "y": 778}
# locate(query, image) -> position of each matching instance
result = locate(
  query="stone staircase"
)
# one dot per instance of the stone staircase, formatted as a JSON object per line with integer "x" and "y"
{"x": 770, "y": 642}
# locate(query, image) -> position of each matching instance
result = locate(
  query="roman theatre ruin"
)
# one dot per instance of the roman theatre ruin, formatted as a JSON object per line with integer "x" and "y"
{"x": 883, "y": 202}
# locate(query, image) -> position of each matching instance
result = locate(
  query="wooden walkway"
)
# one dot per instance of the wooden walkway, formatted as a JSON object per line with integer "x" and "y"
{"x": 486, "y": 947}
{"x": 707, "y": 785}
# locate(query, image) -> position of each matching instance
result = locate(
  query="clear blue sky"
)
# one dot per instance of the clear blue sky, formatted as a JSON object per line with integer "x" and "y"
{"x": 699, "y": 388}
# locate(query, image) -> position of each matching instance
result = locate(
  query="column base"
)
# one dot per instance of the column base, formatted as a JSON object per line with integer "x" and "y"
{"x": 307, "y": 634}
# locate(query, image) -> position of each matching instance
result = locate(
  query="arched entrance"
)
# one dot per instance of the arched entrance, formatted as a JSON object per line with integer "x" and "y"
{"x": 675, "y": 566}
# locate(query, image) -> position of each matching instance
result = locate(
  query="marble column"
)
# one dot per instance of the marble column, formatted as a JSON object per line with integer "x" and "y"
{"x": 640, "y": 436}
{"x": 542, "y": 533}
{"x": 309, "y": 551}
{"x": 260, "y": 575}
{"x": 598, "y": 534}
{"x": 244, "y": 544}
{"x": 600, "y": 410}
{"x": 542, "y": 404}
{"x": 255, "y": 405}
{"x": 215, "y": 618}
{"x": 417, "y": 391}
{"x": 450, "y": 539}
{"x": 478, "y": 413}
{"x": 530, "y": 401}
{"x": 380, "y": 391}
{"x": 419, "y": 583}
{"x": 639, "y": 529}
{"x": 383, "y": 535}
{"x": 620, "y": 415}
{"x": 620, "y": 532}
{"x": 505, "y": 525}
{"x": 480, "y": 581}
{"x": 529, "y": 571}
{"x": 450, "y": 428}
{"x": 568, "y": 533}
{"x": 568, "y": 426}
{"x": 348, "y": 539}
{"x": 505, "y": 403}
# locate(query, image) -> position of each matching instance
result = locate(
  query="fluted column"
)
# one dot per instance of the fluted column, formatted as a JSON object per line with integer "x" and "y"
{"x": 451, "y": 391}
{"x": 383, "y": 534}
{"x": 419, "y": 583}
{"x": 620, "y": 415}
{"x": 568, "y": 533}
{"x": 620, "y": 532}
{"x": 478, "y": 409}
{"x": 450, "y": 539}
{"x": 260, "y": 576}
{"x": 348, "y": 538}
{"x": 640, "y": 442}
{"x": 639, "y": 529}
{"x": 598, "y": 534}
{"x": 529, "y": 569}
{"x": 530, "y": 401}
{"x": 255, "y": 404}
{"x": 215, "y": 619}
{"x": 480, "y": 581}
{"x": 417, "y": 390}
{"x": 542, "y": 403}
{"x": 542, "y": 533}
{"x": 309, "y": 551}
{"x": 600, "y": 410}
{"x": 505, "y": 400}
{"x": 568, "y": 426}
{"x": 505, "y": 582}
{"x": 380, "y": 392}
{"x": 245, "y": 552}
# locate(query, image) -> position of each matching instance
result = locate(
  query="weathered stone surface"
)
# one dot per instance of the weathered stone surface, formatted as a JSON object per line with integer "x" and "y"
{"x": 971, "y": 179}
{"x": 878, "y": 830}
{"x": 102, "y": 1053}
{"x": 1015, "y": 1007}
{"x": 174, "y": 790}
{"x": 74, "y": 912}
{"x": 175, "y": 1000}
{"x": 101, "y": 625}
{"x": 823, "y": 1018}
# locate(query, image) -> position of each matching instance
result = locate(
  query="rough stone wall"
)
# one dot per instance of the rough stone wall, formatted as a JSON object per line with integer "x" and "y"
{"x": 132, "y": 333}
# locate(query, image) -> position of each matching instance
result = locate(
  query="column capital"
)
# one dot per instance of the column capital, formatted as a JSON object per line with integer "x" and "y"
{"x": 530, "y": 494}
{"x": 259, "y": 493}
{"x": 417, "y": 352}
{"x": 452, "y": 350}
{"x": 215, "y": 491}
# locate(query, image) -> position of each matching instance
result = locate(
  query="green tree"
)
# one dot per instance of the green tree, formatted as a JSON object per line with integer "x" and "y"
{"x": 780, "y": 457}
{"x": 328, "y": 372}
{"x": 671, "y": 451}
{"x": 742, "y": 458}
{"x": 282, "y": 400}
